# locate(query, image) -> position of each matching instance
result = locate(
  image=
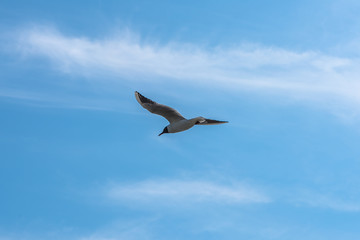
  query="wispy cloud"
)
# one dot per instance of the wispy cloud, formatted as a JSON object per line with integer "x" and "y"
{"x": 308, "y": 73}
{"x": 126, "y": 54}
{"x": 125, "y": 59}
{"x": 328, "y": 201}
{"x": 185, "y": 191}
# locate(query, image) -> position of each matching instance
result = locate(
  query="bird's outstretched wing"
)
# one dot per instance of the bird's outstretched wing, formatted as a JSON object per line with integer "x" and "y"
{"x": 206, "y": 121}
{"x": 167, "y": 112}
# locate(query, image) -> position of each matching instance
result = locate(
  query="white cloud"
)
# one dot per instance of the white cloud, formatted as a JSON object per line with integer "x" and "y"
{"x": 327, "y": 201}
{"x": 185, "y": 191}
{"x": 308, "y": 75}
{"x": 126, "y": 54}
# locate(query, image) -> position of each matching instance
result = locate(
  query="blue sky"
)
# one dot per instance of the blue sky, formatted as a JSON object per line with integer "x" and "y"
{"x": 81, "y": 159}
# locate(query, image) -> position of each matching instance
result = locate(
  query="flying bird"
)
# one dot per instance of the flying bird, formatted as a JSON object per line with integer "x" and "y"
{"x": 177, "y": 122}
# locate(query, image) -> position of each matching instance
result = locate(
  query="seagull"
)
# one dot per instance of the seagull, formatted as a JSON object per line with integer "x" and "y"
{"x": 177, "y": 122}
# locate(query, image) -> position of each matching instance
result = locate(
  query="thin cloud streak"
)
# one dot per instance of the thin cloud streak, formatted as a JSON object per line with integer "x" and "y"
{"x": 328, "y": 202}
{"x": 310, "y": 77}
{"x": 185, "y": 191}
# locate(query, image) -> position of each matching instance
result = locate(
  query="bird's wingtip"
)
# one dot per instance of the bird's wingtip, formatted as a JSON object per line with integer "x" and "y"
{"x": 137, "y": 96}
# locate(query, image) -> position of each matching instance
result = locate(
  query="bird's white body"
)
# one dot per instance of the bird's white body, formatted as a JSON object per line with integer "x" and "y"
{"x": 183, "y": 125}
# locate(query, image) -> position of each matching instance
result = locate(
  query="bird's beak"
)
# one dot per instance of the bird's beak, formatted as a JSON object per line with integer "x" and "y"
{"x": 161, "y": 134}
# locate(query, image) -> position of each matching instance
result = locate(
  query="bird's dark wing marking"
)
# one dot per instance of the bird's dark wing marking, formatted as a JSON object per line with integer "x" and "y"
{"x": 210, "y": 122}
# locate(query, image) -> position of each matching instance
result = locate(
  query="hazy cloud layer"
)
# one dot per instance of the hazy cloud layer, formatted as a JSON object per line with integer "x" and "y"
{"x": 169, "y": 191}
{"x": 309, "y": 74}
{"x": 185, "y": 191}
{"x": 328, "y": 201}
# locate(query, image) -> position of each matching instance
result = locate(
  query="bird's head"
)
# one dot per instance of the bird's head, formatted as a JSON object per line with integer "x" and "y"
{"x": 164, "y": 131}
